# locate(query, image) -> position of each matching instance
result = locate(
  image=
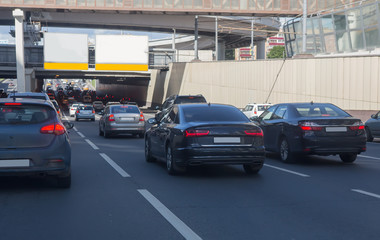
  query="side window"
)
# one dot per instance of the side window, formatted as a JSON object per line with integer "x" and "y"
{"x": 281, "y": 113}
{"x": 268, "y": 113}
{"x": 169, "y": 117}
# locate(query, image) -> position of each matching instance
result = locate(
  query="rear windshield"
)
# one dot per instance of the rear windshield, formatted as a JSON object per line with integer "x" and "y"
{"x": 85, "y": 108}
{"x": 125, "y": 109}
{"x": 319, "y": 110}
{"x": 189, "y": 99}
{"x": 33, "y": 97}
{"x": 26, "y": 114}
{"x": 214, "y": 114}
{"x": 262, "y": 107}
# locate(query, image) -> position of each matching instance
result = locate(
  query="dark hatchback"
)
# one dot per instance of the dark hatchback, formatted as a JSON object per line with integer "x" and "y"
{"x": 200, "y": 134}
{"x": 33, "y": 140}
{"x": 311, "y": 128}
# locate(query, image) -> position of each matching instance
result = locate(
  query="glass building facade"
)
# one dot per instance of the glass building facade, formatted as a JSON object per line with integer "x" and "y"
{"x": 349, "y": 29}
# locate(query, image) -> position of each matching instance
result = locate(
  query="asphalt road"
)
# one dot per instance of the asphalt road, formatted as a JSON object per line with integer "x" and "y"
{"x": 115, "y": 194}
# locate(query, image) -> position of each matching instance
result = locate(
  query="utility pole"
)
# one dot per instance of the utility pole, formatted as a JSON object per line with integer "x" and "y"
{"x": 196, "y": 38}
{"x": 173, "y": 45}
{"x": 252, "y": 36}
{"x": 304, "y": 26}
{"x": 216, "y": 40}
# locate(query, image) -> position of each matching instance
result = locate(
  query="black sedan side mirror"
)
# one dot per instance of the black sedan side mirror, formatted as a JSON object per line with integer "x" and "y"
{"x": 157, "y": 107}
{"x": 68, "y": 125}
{"x": 152, "y": 121}
{"x": 254, "y": 119}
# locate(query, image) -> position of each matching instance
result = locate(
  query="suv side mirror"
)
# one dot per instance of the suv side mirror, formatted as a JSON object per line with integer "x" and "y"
{"x": 68, "y": 125}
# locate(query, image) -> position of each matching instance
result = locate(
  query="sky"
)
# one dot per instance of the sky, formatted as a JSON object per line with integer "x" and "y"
{"x": 6, "y": 37}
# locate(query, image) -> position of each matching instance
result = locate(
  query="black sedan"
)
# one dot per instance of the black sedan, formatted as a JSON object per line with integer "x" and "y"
{"x": 311, "y": 128}
{"x": 198, "y": 134}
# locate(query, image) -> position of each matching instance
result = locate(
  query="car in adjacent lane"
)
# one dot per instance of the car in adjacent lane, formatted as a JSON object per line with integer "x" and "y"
{"x": 85, "y": 112}
{"x": 205, "y": 134}
{"x": 34, "y": 141}
{"x": 293, "y": 129}
{"x": 73, "y": 109}
{"x": 121, "y": 119}
{"x": 254, "y": 109}
{"x": 372, "y": 127}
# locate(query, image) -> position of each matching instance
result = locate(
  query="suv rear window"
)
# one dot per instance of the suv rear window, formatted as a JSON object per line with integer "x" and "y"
{"x": 319, "y": 110}
{"x": 33, "y": 97}
{"x": 214, "y": 114}
{"x": 262, "y": 107}
{"x": 190, "y": 99}
{"x": 125, "y": 109}
{"x": 85, "y": 108}
{"x": 25, "y": 114}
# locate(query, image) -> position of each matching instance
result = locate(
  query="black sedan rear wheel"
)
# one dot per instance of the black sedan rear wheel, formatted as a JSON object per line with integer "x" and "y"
{"x": 285, "y": 152}
{"x": 105, "y": 133}
{"x": 148, "y": 155}
{"x": 100, "y": 131}
{"x": 169, "y": 161}
{"x": 369, "y": 135}
{"x": 251, "y": 168}
{"x": 348, "y": 157}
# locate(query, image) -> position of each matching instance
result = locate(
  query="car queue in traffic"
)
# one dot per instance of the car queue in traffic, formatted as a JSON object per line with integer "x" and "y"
{"x": 187, "y": 131}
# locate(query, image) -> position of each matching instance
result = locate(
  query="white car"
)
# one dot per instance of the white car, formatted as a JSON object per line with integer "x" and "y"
{"x": 73, "y": 109}
{"x": 255, "y": 110}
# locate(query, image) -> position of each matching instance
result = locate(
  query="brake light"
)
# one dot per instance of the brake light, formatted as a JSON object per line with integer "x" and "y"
{"x": 310, "y": 126}
{"x": 78, "y": 111}
{"x": 196, "y": 133}
{"x": 56, "y": 129}
{"x": 12, "y": 104}
{"x": 141, "y": 117}
{"x": 93, "y": 111}
{"x": 111, "y": 118}
{"x": 254, "y": 132}
{"x": 361, "y": 127}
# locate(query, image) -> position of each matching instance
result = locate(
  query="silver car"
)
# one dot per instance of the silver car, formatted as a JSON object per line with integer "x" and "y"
{"x": 85, "y": 112}
{"x": 34, "y": 141}
{"x": 122, "y": 118}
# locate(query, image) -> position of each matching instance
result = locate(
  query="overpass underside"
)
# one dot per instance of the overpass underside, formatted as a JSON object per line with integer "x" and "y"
{"x": 264, "y": 8}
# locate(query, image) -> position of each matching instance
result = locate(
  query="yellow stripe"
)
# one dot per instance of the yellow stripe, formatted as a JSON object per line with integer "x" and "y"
{"x": 121, "y": 67}
{"x": 66, "y": 66}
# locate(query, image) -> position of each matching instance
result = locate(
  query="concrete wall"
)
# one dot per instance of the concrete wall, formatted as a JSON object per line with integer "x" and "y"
{"x": 352, "y": 83}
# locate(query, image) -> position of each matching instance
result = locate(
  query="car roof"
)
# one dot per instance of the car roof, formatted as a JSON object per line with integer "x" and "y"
{"x": 118, "y": 105}
{"x": 27, "y": 94}
{"x": 305, "y": 103}
{"x": 197, "y": 105}
{"x": 27, "y": 100}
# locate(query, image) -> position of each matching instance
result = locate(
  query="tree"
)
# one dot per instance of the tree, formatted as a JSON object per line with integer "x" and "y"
{"x": 230, "y": 54}
{"x": 276, "y": 52}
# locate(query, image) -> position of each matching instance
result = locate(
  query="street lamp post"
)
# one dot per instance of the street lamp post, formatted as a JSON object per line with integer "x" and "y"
{"x": 304, "y": 26}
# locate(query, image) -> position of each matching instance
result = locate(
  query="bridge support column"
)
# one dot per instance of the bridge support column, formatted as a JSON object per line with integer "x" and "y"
{"x": 18, "y": 14}
{"x": 260, "y": 49}
{"x": 221, "y": 50}
{"x": 30, "y": 83}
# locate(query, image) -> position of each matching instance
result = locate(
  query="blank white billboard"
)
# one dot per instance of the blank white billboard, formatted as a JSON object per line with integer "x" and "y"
{"x": 66, "y": 51}
{"x": 121, "y": 52}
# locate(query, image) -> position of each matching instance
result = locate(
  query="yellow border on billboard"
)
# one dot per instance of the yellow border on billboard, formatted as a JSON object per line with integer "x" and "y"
{"x": 66, "y": 66}
{"x": 121, "y": 67}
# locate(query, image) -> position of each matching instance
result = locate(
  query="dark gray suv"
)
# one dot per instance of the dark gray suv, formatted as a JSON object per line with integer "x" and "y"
{"x": 372, "y": 127}
{"x": 33, "y": 140}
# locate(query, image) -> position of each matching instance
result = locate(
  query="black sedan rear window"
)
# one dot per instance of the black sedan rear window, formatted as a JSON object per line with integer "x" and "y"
{"x": 319, "y": 110}
{"x": 190, "y": 99}
{"x": 214, "y": 114}
{"x": 25, "y": 114}
{"x": 125, "y": 109}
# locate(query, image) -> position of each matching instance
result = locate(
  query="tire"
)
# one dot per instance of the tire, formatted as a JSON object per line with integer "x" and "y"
{"x": 169, "y": 161}
{"x": 369, "y": 135}
{"x": 348, "y": 157}
{"x": 105, "y": 133}
{"x": 76, "y": 119}
{"x": 286, "y": 154}
{"x": 148, "y": 155}
{"x": 93, "y": 119}
{"x": 251, "y": 169}
{"x": 100, "y": 132}
{"x": 141, "y": 135}
{"x": 64, "y": 182}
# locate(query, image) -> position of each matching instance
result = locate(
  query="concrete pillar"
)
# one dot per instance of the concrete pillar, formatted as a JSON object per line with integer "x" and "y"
{"x": 18, "y": 14}
{"x": 221, "y": 50}
{"x": 260, "y": 46}
{"x": 30, "y": 80}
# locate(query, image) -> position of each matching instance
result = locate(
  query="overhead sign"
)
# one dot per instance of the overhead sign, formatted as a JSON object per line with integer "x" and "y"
{"x": 121, "y": 53}
{"x": 65, "y": 51}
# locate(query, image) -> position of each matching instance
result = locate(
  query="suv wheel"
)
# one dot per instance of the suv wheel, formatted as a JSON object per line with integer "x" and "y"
{"x": 251, "y": 168}
{"x": 348, "y": 157}
{"x": 369, "y": 135}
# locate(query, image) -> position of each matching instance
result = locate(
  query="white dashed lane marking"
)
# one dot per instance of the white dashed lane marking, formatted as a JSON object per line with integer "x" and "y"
{"x": 114, "y": 165}
{"x": 366, "y": 193}
{"x": 80, "y": 134}
{"x": 91, "y": 144}
{"x": 288, "y": 171}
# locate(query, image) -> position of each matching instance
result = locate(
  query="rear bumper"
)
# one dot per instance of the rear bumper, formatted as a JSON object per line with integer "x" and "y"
{"x": 219, "y": 156}
{"x": 41, "y": 160}
{"x": 332, "y": 145}
{"x": 79, "y": 116}
{"x": 125, "y": 128}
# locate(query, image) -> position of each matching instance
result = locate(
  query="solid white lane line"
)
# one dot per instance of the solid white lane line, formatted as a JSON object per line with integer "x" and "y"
{"x": 91, "y": 144}
{"x": 80, "y": 134}
{"x": 364, "y": 156}
{"x": 180, "y": 226}
{"x": 75, "y": 129}
{"x": 366, "y": 193}
{"x": 114, "y": 165}
{"x": 286, "y": 170}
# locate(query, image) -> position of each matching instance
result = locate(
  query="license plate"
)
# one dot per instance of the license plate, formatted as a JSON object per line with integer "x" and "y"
{"x": 14, "y": 163}
{"x": 226, "y": 140}
{"x": 336, "y": 129}
{"x": 127, "y": 119}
